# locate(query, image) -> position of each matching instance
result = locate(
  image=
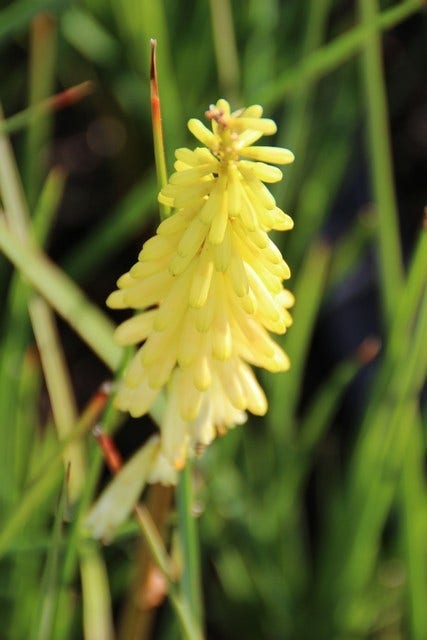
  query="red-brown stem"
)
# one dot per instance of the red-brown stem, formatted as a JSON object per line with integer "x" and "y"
{"x": 154, "y": 86}
{"x": 112, "y": 455}
{"x": 70, "y": 96}
{"x": 156, "y": 117}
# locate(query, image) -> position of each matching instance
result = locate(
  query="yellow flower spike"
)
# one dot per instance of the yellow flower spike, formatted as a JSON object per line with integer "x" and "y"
{"x": 209, "y": 286}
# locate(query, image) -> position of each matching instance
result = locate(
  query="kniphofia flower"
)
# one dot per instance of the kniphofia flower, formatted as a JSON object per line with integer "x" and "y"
{"x": 209, "y": 286}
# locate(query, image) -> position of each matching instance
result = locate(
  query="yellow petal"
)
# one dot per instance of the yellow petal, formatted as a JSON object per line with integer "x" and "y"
{"x": 190, "y": 340}
{"x": 265, "y": 125}
{"x": 202, "y": 278}
{"x": 255, "y": 396}
{"x": 135, "y": 373}
{"x": 189, "y": 176}
{"x": 186, "y": 156}
{"x": 219, "y": 222}
{"x": 280, "y": 220}
{"x": 135, "y": 329}
{"x": 254, "y": 111}
{"x": 237, "y": 274}
{"x": 161, "y": 342}
{"x": 234, "y": 190}
{"x": 231, "y": 384}
{"x": 156, "y": 248}
{"x": 286, "y": 298}
{"x": 275, "y": 155}
{"x": 147, "y": 291}
{"x": 202, "y": 377}
{"x": 203, "y": 317}
{"x": 176, "y": 223}
{"x": 192, "y": 193}
{"x": 137, "y": 401}
{"x": 266, "y": 173}
{"x": 212, "y": 203}
{"x": 247, "y": 213}
{"x": 259, "y": 190}
{"x": 247, "y": 138}
{"x": 223, "y": 105}
{"x": 116, "y": 300}
{"x": 222, "y": 253}
{"x": 202, "y": 133}
{"x": 126, "y": 280}
{"x": 266, "y": 300}
{"x": 222, "y": 342}
{"x": 159, "y": 373}
{"x": 192, "y": 239}
{"x": 120, "y": 496}
{"x": 190, "y": 398}
{"x": 175, "y": 303}
{"x": 145, "y": 268}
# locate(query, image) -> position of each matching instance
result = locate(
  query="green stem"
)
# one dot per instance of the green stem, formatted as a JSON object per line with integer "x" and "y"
{"x": 64, "y": 296}
{"x": 49, "y": 586}
{"x": 43, "y": 485}
{"x": 412, "y": 503}
{"x": 182, "y": 606}
{"x": 97, "y": 608}
{"x": 227, "y": 60}
{"x": 60, "y": 390}
{"x": 191, "y": 576}
{"x": 326, "y": 59}
{"x": 380, "y": 155}
{"x": 43, "y": 56}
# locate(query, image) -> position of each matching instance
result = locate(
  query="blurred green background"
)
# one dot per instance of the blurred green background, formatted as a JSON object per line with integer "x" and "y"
{"x": 312, "y": 521}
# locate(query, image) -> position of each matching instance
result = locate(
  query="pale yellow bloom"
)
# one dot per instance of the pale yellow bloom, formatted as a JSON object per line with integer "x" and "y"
{"x": 118, "y": 499}
{"x": 209, "y": 286}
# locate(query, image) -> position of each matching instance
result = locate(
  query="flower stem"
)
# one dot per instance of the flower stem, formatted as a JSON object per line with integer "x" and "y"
{"x": 380, "y": 156}
{"x": 186, "y": 524}
{"x": 152, "y": 536}
{"x": 191, "y": 579}
{"x": 156, "y": 116}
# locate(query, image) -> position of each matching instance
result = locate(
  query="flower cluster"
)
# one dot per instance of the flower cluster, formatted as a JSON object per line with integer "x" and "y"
{"x": 208, "y": 287}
